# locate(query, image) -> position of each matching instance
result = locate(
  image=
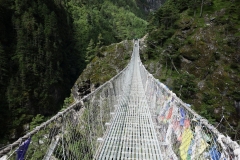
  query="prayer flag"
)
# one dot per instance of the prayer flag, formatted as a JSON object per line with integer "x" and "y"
{"x": 21, "y": 151}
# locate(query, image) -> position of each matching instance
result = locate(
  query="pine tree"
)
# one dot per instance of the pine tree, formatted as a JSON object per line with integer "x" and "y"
{"x": 90, "y": 51}
{"x": 100, "y": 41}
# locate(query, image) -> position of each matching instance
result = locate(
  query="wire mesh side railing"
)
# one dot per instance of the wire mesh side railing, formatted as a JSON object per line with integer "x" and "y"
{"x": 73, "y": 133}
{"x": 183, "y": 133}
{"x": 69, "y": 135}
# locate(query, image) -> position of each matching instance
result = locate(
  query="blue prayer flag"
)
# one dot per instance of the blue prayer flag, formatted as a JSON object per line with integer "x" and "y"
{"x": 183, "y": 117}
{"x": 215, "y": 155}
{"x": 21, "y": 151}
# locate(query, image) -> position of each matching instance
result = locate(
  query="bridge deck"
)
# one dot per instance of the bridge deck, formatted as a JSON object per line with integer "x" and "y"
{"x": 131, "y": 134}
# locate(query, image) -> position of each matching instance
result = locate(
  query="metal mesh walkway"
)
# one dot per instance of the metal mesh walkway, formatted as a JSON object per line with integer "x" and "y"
{"x": 131, "y": 134}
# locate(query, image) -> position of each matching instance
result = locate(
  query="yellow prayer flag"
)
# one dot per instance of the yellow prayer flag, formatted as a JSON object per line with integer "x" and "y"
{"x": 186, "y": 140}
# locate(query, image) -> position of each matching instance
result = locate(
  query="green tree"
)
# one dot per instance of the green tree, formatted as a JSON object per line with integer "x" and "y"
{"x": 185, "y": 86}
{"x": 38, "y": 119}
{"x": 91, "y": 50}
{"x": 100, "y": 41}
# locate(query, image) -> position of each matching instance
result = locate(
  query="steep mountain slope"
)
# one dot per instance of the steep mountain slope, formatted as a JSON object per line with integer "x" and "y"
{"x": 193, "y": 47}
{"x": 38, "y": 64}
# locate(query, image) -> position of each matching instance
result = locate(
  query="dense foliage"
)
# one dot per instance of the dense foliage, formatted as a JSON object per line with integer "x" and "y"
{"x": 196, "y": 45}
{"x": 97, "y": 23}
{"x": 39, "y": 62}
{"x": 43, "y": 46}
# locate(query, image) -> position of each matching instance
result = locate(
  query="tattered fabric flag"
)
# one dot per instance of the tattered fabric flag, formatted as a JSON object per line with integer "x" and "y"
{"x": 185, "y": 145}
{"x": 177, "y": 130}
{"x": 21, "y": 151}
{"x": 172, "y": 99}
{"x": 215, "y": 155}
{"x": 165, "y": 109}
{"x": 200, "y": 144}
{"x": 170, "y": 113}
{"x": 186, "y": 123}
{"x": 183, "y": 117}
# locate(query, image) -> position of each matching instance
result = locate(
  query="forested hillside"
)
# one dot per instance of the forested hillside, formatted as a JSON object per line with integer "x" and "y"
{"x": 44, "y": 46}
{"x": 193, "y": 47}
{"x": 38, "y": 61}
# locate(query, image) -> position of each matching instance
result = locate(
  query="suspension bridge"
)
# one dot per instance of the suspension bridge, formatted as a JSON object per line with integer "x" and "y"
{"x": 131, "y": 116}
